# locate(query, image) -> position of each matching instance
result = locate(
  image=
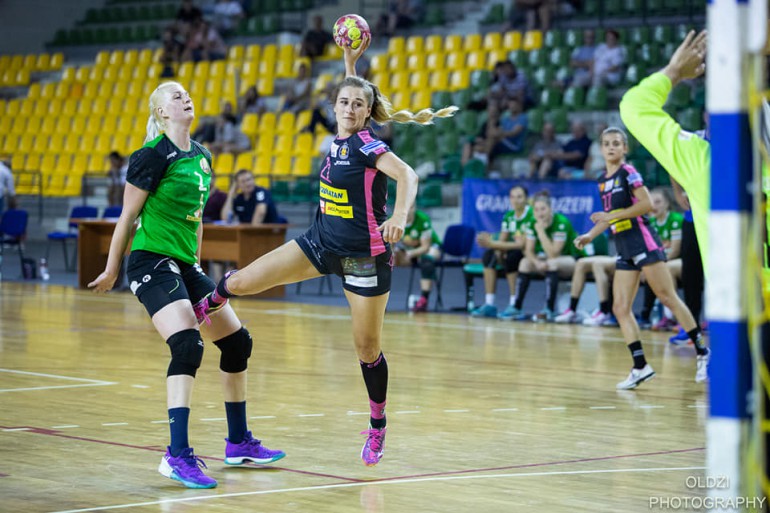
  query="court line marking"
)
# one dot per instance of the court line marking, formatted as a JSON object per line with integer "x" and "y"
{"x": 456, "y": 411}
{"x": 115, "y": 424}
{"x": 311, "y": 415}
{"x": 603, "y": 407}
{"x": 88, "y": 382}
{"x": 65, "y": 426}
{"x": 263, "y": 417}
{"x": 367, "y": 483}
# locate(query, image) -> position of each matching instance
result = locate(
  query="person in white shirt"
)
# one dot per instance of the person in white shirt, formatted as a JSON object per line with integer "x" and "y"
{"x": 6, "y": 187}
{"x": 609, "y": 59}
{"x": 227, "y": 13}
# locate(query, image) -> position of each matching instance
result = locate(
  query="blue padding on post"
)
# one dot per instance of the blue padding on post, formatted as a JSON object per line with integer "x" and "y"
{"x": 730, "y": 369}
{"x": 730, "y": 161}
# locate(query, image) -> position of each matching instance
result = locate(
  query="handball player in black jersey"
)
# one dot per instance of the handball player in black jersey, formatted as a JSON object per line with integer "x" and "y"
{"x": 626, "y": 203}
{"x": 351, "y": 235}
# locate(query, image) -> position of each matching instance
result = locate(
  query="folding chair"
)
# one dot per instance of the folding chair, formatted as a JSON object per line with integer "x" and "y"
{"x": 13, "y": 230}
{"x": 456, "y": 250}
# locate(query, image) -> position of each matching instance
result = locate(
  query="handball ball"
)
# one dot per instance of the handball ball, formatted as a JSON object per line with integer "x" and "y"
{"x": 350, "y": 30}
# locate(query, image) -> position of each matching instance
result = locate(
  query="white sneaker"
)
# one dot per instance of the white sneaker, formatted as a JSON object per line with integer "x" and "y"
{"x": 636, "y": 377}
{"x": 596, "y": 319}
{"x": 567, "y": 317}
{"x": 702, "y": 368}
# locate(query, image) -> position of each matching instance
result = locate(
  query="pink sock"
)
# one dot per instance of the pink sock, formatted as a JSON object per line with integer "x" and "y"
{"x": 377, "y": 409}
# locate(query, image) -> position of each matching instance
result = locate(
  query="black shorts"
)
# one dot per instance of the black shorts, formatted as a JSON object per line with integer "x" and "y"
{"x": 158, "y": 280}
{"x": 510, "y": 264}
{"x": 365, "y": 276}
{"x": 636, "y": 262}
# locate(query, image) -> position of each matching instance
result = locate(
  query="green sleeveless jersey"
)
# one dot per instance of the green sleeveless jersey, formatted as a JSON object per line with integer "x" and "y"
{"x": 560, "y": 230}
{"x": 513, "y": 225}
{"x": 420, "y": 227}
{"x": 178, "y": 183}
{"x": 670, "y": 229}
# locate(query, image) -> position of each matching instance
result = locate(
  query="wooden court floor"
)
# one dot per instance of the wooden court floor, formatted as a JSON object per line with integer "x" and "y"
{"x": 484, "y": 416}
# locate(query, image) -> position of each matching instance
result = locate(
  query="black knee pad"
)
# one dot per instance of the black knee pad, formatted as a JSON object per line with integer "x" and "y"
{"x": 427, "y": 268}
{"x": 489, "y": 258}
{"x": 186, "y": 353}
{"x": 236, "y": 350}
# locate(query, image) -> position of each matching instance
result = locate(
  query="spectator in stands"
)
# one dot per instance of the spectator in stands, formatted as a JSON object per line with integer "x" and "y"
{"x": 7, "y": 190}
{"x": 572, "y": 158}
{"x": 227, "y": 14}
{"x": 298, "y": 95}
{"x": 251, "y": 103}
{"x": 595, "y": 162}
{"x": 117, "y": 176}
{"x": 542, "y": 156}
{"x": 505, "y": 253}
{"x": 609, "y": 59}
{"x": 536, "y": 10}
{"x": 188, "y": 14}
{"x": 212, "y": 212}
{"x": 204, "y": 43}
{"x": 510, "y": 135}
{"x": 510, "y": 84}
{"x": 252, "y": 205}
{"x": 420, "y": 245}
{"x": 315, "y": 39}
{"x": 549, "y": 251}
{"x": 582, "y": 60}
{"x": 402, "y": 14}
{"x": 172, "y": 45}
{"x": 228, "y": 136}
{"x": 478, "y": 146}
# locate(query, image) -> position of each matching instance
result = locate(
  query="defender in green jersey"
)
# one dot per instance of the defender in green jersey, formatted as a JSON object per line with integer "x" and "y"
{"x": 167, "y": 187}
{"x": 420, "y": 245}
{"x": 505, "y": 253}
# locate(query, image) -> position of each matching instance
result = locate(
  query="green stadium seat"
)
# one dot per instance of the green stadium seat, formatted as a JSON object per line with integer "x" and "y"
{"x": 574, "y": 98}
{"x": 495, "y": 15}
{"x": 429, "y": 195}
{"x": 699, "y": 95}
{"x": 535, "y": 120}
{"x": 519, "y": 58}
{"x": 679, "y": 97}
{"x": 462, "y": 97}
{"x": 544, "y": 77}
{"x": 632, "y": 7}
{"x": 537, "y": 58}
{"x": 554, "y": 39}
{"x": 560, "y": 57}
{"x": 279, "y": 190}
{"x": 474, "y": 168}
{"x": 633, "y": 76}
{"x": 596, "y": 98}
{"x": 691, "y": 119}
{"x": 434, "y": 15}
{"x": 639, "y": 35}
{"x": 467, "y": 121}
{"x": 271, "y": 24}
{"x": 663, "y": 34}
{"x": 480, "y": 79}
{"x": 550, "y": 97}
{"x": 560, "y": 120}
{"x": 441, "y": 99}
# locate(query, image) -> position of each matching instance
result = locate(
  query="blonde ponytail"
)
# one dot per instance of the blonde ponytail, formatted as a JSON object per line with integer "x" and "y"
{"x": 155, "y": 125}
{"x": 383, "y": 111}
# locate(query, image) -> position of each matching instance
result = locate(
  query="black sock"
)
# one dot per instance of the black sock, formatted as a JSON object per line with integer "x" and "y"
{"x": 236, "y": 421}
{"x": 605, "y": 307}
{"x": 522, "y": 284}
{"x": 551, "y": 287}
{"x": 649, "y": 302}
{"x": 638, "y": 353}
{"x": 376, "y": 379}
{"x": 697, "y": 339}
{"x": 573, "y": 302}
{"x": 178, "y": 419}
{"x": 425, "y": 293}
{"x": 221, "y": 293}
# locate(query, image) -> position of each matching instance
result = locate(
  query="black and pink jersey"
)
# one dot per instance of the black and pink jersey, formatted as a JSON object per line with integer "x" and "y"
{"x": 353, "y": 194}
{"x": 632, "y": 236}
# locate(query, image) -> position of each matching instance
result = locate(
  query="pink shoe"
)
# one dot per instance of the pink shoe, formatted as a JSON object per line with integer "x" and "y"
{"x": 421, "y": 305}
{"x": 664, "y": 324}
{"x": 203, "y": 309}
{"x": 374, "y": 446}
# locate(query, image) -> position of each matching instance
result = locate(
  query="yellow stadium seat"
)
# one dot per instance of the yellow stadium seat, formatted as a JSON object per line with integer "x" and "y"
{"x": 533, "y": 40}
{"x": 69, "y": 107}
{"x": 154, "y": 72}
{"x": 284, "y": 68}
{"x": 213, "y": 88}
{"x": 435, "y": 61}
{"x": 399, "y": 82}
{"x": 26, "y": 107}
{"x": 82, "y": 124}
{"x": 117, "y": 58}
{"x": 266, "y": 86}
{"x": 48, "y": 163}
{"x": 91, "y": 90}
{"x": 97, "y": 164}
{"x": 396, "y": 62}
{"x": 98, "y": 106}
{"x": 496, "y": 56}
{"x": 250, "y": 73}
{"x": 302, "y": 120}
{"x": 223, "y": 163}
{"x": 459, "y": 80}
{"x": 134, "y": 90}
{"x": 26, "y": 143}
{"x": 56, "y": 142}
{"x": 285, "y": 125}
{"x": 120, "y": 90}
{"x": 453, "y": 43}
{"x": 110, "y": 74}
{"x": 87, "y": 143}
{"x": 381, "y": 79}
{"x": 33, "y": 162}
{"x": 110, "y": 123}
{"x": 43, "y": 62}
{"x": 104, "y": 143}
{"x": 34, "y": 90}
{"x": 472, "y": 42}
{"x": 217, "y": 70}
{"x": 102, "y": 59}
{"x": 18, "y": 161}
{"x": 63, "y": 164}
{"x": 401, "y": 100}
{"x": 211, "y": 107}
{"x": 10, "y": 144}
{"x": 41, "y": 107}
{"x": 55, "y": 106}
{"x": 48, "y": 126}
{"x": 235, "y": 53}
{"x": 103, "y": 90}
{"x": 415, "y": 44}
{"x": 416, "y": 62}
{"x": 71, "y": 143}
{"x": 83, "y": 73}
{"x": 434, "y": 44}
{"x": 33, "y": 124}
{"x": 267, "y": 62}
{"x": 144, "y": 57}
{"x": 265, "y": 144}
{"x": 125, "y": 74}
{"x": 379, "y": 63}
{"x": 421, "y": 99}
{"x": 263, "y": 166}
{"x": 303, "y": 144}
{"x": 332, "y": 52}
{"x": 318, "y": 140}
{"x": 282, "y": 165}
{"x": 396, "y": 45}
{"x": 418, "y": 80}
{"x": 244, "y": 161}
{"x": 17, "y": 62}
{"x": 249, "y": 124}
{"x": 476, "y": 60}
{"x": 512, "y": 41}
{"x": 130, "y": 58}
{"x": 47, "y": 90}
{"x": 19, "y": 125}
{"x": 68, "y": 75}
{"x": 222, "y": 181}
{"x": 492, "y": 41}
{"x": 5, "y": 62}
{"x": 12, "y": 108}
{"x": 22, "y": 77}
{"x": 253, "y": 53}
{"x": 303, "y": 165}
{"x": 57, "y": 60}
{"x": 455, "y": 61}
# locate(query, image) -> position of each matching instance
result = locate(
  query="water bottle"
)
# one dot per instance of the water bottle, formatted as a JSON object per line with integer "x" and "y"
{"x": 44, "y": 270}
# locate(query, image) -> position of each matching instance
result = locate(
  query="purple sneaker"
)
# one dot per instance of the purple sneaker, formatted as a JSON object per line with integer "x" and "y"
{"x": 203, "y": 309}
{"x": 186, "y": 468}
{"x": 252, "y": 450}
{"x": 374, "y": 446}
